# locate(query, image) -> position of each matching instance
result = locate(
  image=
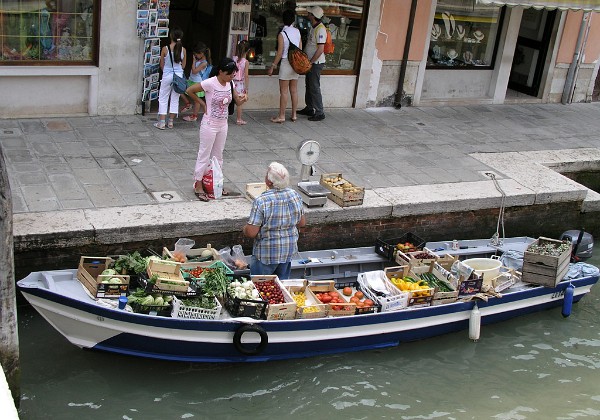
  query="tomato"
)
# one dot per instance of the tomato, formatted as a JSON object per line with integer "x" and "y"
{"x": 368, "y": 302}
{"x": 354, "y": 299}
{"x": 334, "y": 294}
{"x": 336, "y": 308}
{"x": 347, "y": 291}
{"x": 360, "y": 304}
{"x": 359, "y": 294}
{"x": 325, "y": 298}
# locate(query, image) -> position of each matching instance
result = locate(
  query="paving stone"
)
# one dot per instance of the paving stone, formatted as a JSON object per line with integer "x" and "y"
{"x": 125, "y": 181}
{"x": 67, "y": 187}
{"x": 95, "y": 176}
{"x": 104, "y": 195}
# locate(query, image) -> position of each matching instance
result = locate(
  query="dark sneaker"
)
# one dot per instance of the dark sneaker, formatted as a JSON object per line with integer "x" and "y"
{"x": 319, "y": 117}
{"x": 307, "y": 111}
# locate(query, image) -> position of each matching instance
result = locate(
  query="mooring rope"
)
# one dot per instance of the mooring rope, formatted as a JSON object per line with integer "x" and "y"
{"x": 496, "y": 239}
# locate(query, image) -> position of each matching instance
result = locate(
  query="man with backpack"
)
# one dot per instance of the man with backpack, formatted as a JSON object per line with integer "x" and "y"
{"x": 315, "y": 46}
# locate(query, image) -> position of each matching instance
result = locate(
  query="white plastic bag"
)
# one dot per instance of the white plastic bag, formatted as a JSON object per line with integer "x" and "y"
{"x": 212, "y": 181}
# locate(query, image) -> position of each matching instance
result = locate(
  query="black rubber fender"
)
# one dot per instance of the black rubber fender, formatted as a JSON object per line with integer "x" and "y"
{"x": 250, "y": 351}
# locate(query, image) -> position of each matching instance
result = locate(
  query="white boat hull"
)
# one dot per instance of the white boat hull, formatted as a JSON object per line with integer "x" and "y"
{"x": 60, "y": 299}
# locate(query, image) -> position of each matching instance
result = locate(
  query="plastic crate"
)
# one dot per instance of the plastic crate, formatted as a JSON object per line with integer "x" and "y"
{"x": 251, "y": 308}
{"x": 386, "y": 247}
{"x": 197, "y": 281}
{"x": 180, "y": 310}
{"x": 393, "y": 301}
{"x": 159, "y": 310}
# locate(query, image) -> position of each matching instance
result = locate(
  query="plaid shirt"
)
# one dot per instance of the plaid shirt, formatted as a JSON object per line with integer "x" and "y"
{"x": 277, "y": 212}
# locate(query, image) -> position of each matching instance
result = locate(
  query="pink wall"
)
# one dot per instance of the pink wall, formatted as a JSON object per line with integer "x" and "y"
{"x": 569, "y": 38}
{"x": 394, "y": 24}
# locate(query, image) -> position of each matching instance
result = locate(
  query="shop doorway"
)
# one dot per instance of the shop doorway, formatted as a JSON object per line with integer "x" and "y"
{"x": 201, "y": 20}
{"x": 533, "y": 43}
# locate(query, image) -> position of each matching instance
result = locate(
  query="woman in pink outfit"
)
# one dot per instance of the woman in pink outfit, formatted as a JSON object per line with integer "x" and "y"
{"x": 213, "y": 128}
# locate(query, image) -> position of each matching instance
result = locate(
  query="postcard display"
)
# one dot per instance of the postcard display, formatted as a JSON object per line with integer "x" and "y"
{"x": 152, "y": 24}
{"x": 240, "y": 24}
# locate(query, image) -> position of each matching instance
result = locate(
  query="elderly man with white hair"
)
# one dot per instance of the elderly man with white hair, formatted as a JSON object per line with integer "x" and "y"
{"x": 274, "y": 220}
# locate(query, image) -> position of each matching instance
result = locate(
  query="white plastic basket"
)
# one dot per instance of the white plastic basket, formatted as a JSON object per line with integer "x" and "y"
{"x": 395, "y": 299}
{"x": 192, "y": 312}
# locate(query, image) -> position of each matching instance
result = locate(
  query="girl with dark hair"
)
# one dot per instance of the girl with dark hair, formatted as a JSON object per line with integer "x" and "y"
{"x": 219, "y": 91}
{"x": 200, "y": 71}
{"x": 172, "y": 61}
{"x": 288, "y": 78}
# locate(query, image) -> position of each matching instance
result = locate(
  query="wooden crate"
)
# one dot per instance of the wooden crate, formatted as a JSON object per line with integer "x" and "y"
{"x": 312, "y": 307}
{"x": 334, "y": 309}
{"x": 89, "y": 274}
{"x": 278, "y": 311}
{"x": 442, "y": 275}
{"x": 169, "y": 276}
{"x": 192, "y": 253}
{"x": 352, "y": 195}
{"x": 546, "y": 270}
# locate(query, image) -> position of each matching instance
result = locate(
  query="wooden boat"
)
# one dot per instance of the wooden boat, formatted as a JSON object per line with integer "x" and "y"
{"x": 60, "y": 298}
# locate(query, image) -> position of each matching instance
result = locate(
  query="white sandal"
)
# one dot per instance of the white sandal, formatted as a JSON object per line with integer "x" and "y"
{"x": 160, "y": 125}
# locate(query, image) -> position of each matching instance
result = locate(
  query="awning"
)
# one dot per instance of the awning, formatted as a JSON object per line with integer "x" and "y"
{"x": 586, "y": 5}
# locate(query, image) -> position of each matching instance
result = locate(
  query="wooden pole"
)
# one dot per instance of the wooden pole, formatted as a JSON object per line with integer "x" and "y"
{"x": 9, "y": 339}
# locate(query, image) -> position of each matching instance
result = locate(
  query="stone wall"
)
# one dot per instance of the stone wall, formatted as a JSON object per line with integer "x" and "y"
{"x": 534, "y": 221}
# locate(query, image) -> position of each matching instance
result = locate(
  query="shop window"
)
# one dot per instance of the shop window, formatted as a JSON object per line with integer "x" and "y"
{"x": 47, "y": 31}
{"x": 464, "y": 34}
{"x": 260, "y": 21}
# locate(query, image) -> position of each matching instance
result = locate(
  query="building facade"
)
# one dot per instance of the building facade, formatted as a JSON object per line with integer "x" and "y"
{"x": 88, "y": 57}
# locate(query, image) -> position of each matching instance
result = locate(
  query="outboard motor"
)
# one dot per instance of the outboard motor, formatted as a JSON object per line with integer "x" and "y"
{"x": 583, "y": 244}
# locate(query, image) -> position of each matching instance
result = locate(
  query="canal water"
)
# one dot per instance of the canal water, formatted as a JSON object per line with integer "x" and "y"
{"x": 539, "y": 366}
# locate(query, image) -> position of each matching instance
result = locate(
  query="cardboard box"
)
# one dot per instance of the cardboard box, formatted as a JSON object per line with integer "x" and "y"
{"x": 277, "y": 311}
{"x": 546, "y": 270}
{"x": 254, "y": 189}
{"x": 343, "y": 192}
{"x": 89, "y": 274}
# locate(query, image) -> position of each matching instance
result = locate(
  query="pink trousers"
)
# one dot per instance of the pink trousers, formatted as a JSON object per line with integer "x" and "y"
{"x": 212, "y": 143}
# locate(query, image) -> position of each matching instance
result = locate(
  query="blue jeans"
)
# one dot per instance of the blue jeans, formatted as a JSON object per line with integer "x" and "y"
{"x": 313, "y": 97}
{"x": 282, "y": 270}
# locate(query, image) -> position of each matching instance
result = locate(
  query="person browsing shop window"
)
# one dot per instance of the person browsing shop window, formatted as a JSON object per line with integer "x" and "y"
{"x": 213, "y": 127}
{"x": 315, "y": 45}
{"x": 274, "y": 220}
{"x": 288, "y": 78}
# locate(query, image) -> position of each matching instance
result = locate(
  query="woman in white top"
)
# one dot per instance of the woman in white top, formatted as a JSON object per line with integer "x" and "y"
{"x": 172, "y": 61}
{"x": 288, "y": 78}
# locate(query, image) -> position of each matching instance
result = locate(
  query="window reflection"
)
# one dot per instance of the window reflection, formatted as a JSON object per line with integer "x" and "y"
{"x": 344, "y": 19}
{"x": 53, "y": 30}
{"x": 463, "y": 34}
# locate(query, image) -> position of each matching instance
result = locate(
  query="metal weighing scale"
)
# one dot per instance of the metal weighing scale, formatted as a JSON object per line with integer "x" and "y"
{"x": 312, "y": 192}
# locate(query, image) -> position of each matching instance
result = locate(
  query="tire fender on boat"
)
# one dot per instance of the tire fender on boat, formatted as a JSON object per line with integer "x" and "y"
{"x": 244, "y": 349}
